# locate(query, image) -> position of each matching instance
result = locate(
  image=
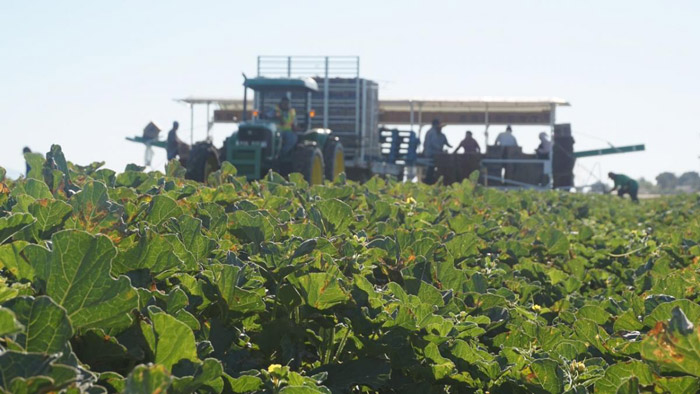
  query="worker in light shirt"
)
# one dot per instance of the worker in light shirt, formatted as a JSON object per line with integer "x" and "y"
{"x": 506, "y": 138}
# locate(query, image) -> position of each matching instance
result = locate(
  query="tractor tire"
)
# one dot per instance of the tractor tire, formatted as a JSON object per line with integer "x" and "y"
{"x": 308, "y": 160}
{"x": 203, "y": 160}
{"x": 334, "y": 158}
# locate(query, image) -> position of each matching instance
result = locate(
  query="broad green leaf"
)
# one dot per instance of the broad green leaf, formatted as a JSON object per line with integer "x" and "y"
{"x": 663, "y": 312}
{"x": 92, "y": 209}
{"x": 46, "y": 326}
{"x": 9, "y": 225}
{"x": 148, "y": 379}
{"x": 616, "y": 376}
{"x": 320, "y": 290}
{"x": 150, "y": 251}
{"x": 336, "y": 215}
{"x": 440, "y": 366}
{"x": 207, "y": 375}
{"x": 674, "y": 345}
{"x": 162, "y": 208}
{"x": 238, "y": 299}
{"x": 173, "y": 340}
{"x": 243, "y": 384}
{"x": 547, "y": 374}
{"x": 190, "y": 230}
{"x": 679, "y": 385}
{"x": 12, "y": 260}
{"x": 554, "y": 241}
{"x": 49, "y": 214}
{"x": 77, "y": 276}
{"x": 8, "y": 322}
{"x": 250, "y": 228}
{"x": 463, "y": 245}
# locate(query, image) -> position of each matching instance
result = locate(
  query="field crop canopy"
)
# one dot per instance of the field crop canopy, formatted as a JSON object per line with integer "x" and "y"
{"x": 146, "y": 282}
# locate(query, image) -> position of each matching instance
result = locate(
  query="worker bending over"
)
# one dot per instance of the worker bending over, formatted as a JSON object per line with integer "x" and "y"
{"x": 624, "y": 185}
{"x": 506, "y": 138}
{"x": 469, "y": 144}
{"x": 286, "y": 117}
{"x": 434, "y": 143}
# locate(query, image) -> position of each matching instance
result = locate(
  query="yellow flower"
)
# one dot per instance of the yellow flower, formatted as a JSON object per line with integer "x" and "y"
{"x": 536, "y": 308}
{"x": 410, "y": 200}
{"x": 274, "y": 368}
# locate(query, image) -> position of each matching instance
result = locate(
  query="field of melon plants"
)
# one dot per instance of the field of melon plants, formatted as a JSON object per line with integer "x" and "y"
{"x": 146, "y": 282}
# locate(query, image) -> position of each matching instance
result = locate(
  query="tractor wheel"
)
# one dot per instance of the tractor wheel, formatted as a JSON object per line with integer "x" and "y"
{"x": 308, "y": 161}
{"x": 334, "y": 157}
{"x": 202, "y": 161}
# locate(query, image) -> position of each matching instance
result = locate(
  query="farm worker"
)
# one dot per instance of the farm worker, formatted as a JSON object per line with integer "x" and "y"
{"x": 27, "y": 150}
{"x": 506, "y": 138}
{"x": 624, "y": 185}
{"x": 286, "y": 122}
{"x": 544, "y": 148}
{"x": 469, "y": 144}
{"x": 435, "y": 140}
{"x": 434, "y": 143}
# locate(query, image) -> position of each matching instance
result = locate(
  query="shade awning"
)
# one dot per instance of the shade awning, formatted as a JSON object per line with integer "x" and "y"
{"x": 480, "y": 110}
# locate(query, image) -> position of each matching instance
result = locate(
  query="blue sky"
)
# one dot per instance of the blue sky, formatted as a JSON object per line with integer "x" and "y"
{"x": 87, "y": 74}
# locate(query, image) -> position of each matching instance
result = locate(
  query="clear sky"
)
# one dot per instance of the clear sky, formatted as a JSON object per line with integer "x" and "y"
{"x": 86, "y": 74}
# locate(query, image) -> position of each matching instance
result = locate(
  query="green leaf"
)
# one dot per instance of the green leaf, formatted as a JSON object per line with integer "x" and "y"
{"x": 664, "y": 310}
{"x": 674, "y": 345}
{"x": 463, "y": 245}
{"x": 244, "y": 383}
{"x": 320, "y": 290}
{"x": 152, "y": 251}
{"x": 162, "y": 208}
{"x": 554, "y": 241}
{"x": 50, "y": 216}
{"x": 12, "y": 260}
{"x": 148, "y": 379}
{"x": 190, "y": 231}
{"x": 616, "y": 376}
{"x": 15, "y": 364}
{"x": 77, "y": 276}
{"x": 9, "y": 225}
{"x": 679, "y": 385}
{"x": 8, "y": 322}
{"x": 336, "y": 215}
{"x": 207, "y": 374}
{"x": 92, "y": 209}
{"x": 627, "y": 322}
{"x": 238, "y": 299}
{"x": 546, "y": 374}
{"x": 249, "y": 228}
{"x": 173, "y": 340}
{"x": 46, "y": 326}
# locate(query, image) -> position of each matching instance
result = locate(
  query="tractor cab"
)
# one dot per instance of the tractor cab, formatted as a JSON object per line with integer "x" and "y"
{"x": 261, "y": 145}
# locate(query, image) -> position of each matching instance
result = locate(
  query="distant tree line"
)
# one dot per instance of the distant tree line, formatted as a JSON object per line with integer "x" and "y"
{"x": 669, "y": 183}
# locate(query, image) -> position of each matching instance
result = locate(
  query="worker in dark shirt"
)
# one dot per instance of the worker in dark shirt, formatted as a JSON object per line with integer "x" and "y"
{"x": 24, "y": 151}
{"x": 469, "y": 144}
{"x": 624, "y": 185}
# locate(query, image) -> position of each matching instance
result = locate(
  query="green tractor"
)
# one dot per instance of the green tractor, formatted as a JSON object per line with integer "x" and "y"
{"x": 258, "y": 146}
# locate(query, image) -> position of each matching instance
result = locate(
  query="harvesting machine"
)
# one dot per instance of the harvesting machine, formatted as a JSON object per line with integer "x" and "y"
{"x": 356, "y": 133}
